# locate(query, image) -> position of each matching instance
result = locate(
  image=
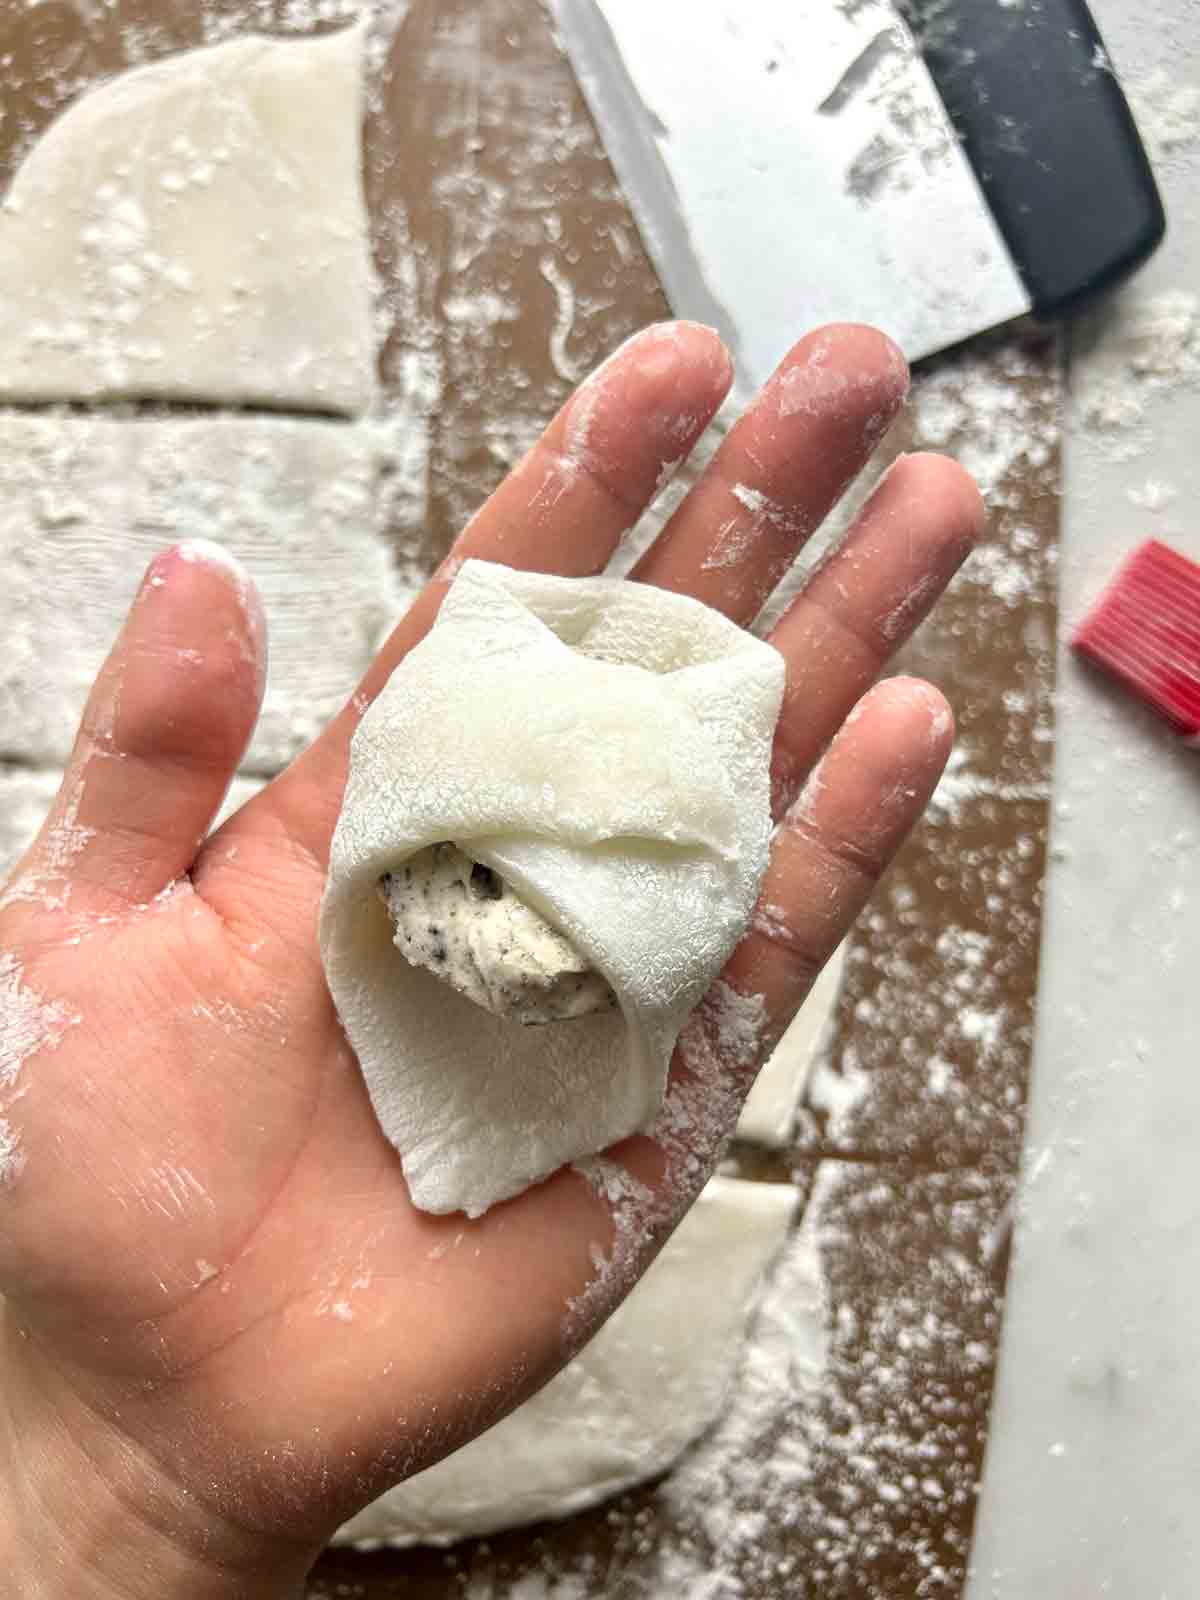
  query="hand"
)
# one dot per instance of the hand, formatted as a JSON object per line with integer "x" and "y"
{"x": 226, "y": 1327}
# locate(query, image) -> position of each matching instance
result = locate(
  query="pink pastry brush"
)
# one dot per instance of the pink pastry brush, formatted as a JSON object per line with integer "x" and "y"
{"x": 1145, "y": 630}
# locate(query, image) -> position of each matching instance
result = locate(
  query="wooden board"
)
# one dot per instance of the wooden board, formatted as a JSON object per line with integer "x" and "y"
{"x": 512, "y": 265}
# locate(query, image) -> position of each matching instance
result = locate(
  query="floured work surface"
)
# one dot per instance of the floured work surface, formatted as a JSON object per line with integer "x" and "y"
{"x": 848, "y": 1464}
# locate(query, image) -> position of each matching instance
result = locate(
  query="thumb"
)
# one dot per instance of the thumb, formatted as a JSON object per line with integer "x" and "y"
{"x": 164, "y": 728}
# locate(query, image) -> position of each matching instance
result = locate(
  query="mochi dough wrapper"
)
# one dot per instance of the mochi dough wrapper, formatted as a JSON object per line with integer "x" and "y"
{"x": 605, "y": 747}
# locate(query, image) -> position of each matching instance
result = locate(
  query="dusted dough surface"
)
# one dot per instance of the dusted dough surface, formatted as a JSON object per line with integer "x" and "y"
{"x": 605, "y": 747}
{"x": 650, "y": 1382}
{"x": 86, "y": 502}
{"x": 197, "y": 230}
{"x": 464, "y": 924}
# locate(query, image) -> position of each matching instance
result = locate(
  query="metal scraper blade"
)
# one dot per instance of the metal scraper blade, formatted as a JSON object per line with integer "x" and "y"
{"x": 791, "y": 163}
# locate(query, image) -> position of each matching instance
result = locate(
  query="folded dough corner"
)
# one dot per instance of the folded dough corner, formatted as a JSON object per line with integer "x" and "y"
{"x": 196, "y": 230}
{"x": 605, "y": 748}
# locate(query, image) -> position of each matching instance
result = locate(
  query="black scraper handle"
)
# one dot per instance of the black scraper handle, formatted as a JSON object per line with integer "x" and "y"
{"x": 1045, "y": 125}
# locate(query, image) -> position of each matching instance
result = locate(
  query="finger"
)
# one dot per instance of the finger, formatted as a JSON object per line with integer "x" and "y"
{"x": 784, "y": 465}
{"x": 826, "y": 858}
{"x": 565, "y": 507}
{"x": 837, "y": 840}
{"x": 907, "y": 543}
{"x": 164, "y": 728}
{"x": 562, "y": 510}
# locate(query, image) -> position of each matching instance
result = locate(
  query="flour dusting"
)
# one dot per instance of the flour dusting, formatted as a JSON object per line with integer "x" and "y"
{"x": 990, "y": 409}
{"x": 720, "y": 1043}
{"x": 1151, "y": 347}
{"x": 735, "y": 541}
{"x": 1167, "y": 114}
{"x": 12, "y": 1159}
{"x": 746, "y": 1473}
{"x": 29, "y": 1024}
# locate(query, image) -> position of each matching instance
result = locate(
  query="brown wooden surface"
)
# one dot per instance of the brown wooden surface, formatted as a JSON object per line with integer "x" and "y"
{"x": 512, "y": 265}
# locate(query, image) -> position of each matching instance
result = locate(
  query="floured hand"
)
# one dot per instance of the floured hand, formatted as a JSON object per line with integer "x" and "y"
{"x": 226, "y": 1329}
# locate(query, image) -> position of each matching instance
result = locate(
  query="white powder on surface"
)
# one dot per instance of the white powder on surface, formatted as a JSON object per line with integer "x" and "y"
{"x": 564, "y": 319}
{"x": 12, "y": 1159}
{"x": 960, "y": 785}
{"x": 840, "y": 1452}
{"x": 25, "y": 798}
{"x": 533, "y": 1586}
{"x": 720, "y": 1043}
{"x": 1139, "y": 347}
{"x": 745, "y": 1474}
{"x": 48, "y": 884}
{"x": 1152, "y": 495}
{"x": 29, "y": 1024}
{"x": 994, "y": 411}
{"x": 735, "y": 540}
{"x": 1005, "y": 572}
{"x": 836, "y": 1090}
{"x": 1167, "y": 114}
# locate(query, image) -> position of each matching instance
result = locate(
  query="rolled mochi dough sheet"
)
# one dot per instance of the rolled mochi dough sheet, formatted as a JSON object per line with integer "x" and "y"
{"x": 86, "y": 502}
{"x": 769, "y": 1113}
{"x": 651, "y": 1381}
{"x": 26, "y": 795}
{"x": 605, "y": 747}
{"x": 196, "y": 230}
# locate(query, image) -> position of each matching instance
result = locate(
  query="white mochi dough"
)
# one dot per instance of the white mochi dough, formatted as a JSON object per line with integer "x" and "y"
{"x": 651, "y": 1382}
{"x": 605, "y": 747}
{"x": 196, "y": 230}
{"x": 86, "y": 502}
{"x": 769, "y": 1113}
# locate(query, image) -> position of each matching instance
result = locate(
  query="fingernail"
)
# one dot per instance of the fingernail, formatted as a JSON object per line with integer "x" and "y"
{"x": 643, "y": 373}
{"x": 208, "y": 553}
{"x": 217, "y": 559}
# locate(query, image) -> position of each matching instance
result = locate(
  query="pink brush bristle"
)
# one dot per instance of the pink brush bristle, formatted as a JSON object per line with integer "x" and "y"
{"x": 1145, "y": 630}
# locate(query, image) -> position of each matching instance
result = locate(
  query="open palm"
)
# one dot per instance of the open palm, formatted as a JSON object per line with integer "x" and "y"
{"x": 218, "y": 1295}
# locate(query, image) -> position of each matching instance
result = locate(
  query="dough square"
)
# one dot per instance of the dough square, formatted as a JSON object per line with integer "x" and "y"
{"x": 86, "y": 502}
{"x": 196, "y": 230}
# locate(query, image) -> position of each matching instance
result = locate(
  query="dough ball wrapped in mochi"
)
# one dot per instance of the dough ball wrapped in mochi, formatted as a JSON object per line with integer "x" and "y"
{"x": 601, "y": 750}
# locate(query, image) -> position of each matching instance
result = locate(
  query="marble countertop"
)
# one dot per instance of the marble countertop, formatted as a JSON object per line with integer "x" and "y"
{"x": 1094, "y": 1456}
